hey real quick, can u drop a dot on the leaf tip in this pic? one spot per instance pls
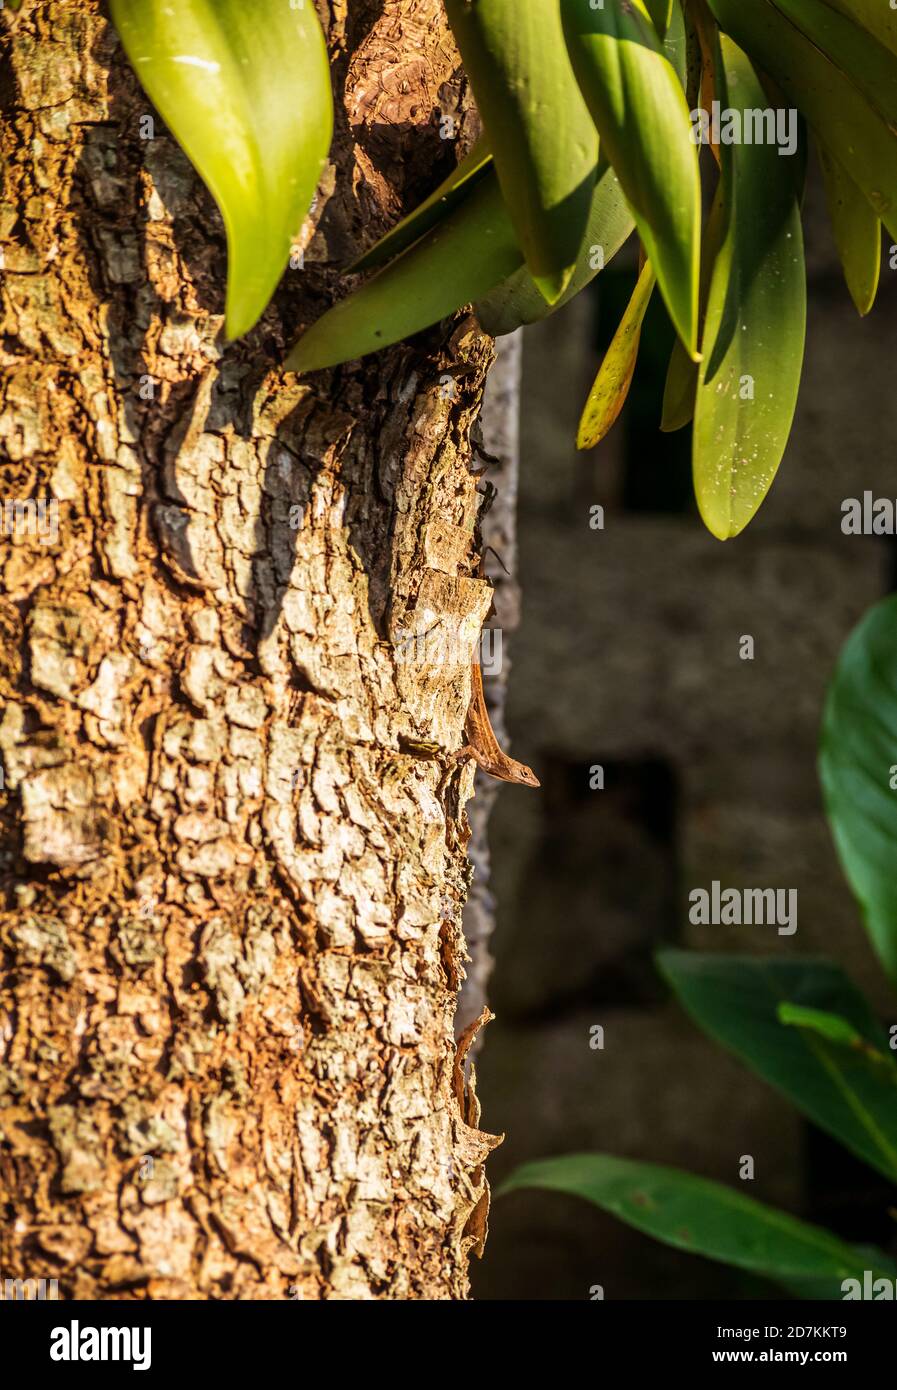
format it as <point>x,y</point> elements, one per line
<point>552,286</point>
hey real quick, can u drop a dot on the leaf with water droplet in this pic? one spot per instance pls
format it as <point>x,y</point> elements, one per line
<point>842,118</point>
<point>755,326</point>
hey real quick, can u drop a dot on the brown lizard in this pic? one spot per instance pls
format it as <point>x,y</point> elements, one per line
<point>482,745</point>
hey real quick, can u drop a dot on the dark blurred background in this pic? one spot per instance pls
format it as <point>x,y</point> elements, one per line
<point>627,658</point>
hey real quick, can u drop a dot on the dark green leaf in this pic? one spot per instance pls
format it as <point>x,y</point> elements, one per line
<point>857,232</point>
<point>878,18</point>
<point>735,999</point>
<point>841,117</point>
<point>706,1218</point>
<point>858,759</point>
<point>661,12</point>
<point>538,127</point>
<point>870,66</point>
<point>518,300</point>
<point>637,103</point>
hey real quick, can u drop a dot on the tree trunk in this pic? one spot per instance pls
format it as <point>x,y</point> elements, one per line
<point>232,873</point>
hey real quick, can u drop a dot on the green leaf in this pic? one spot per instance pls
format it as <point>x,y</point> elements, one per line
<point>857,759</point>
<point>675,41</point>
<point>459,260</point>
<point>245,90</point>
<point>639,107</point>
<point>611,386</point>
<point>878,18</point>
<point>870,66</point>
<point>661,12</point>
<point>544,143</point>
<point>707,1218</point>
<point>846,1091</point>
<point>681,385</point>
<point>857,232</point>
<point>679,390</point>
<point>452,191</point>
<point>838,112</point>
<point>518,300</point>
<point>755,325</point>
<point>831,1026</point>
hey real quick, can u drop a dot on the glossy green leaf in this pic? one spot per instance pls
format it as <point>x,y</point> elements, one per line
<point>459,260</point>
<point>857,232</point>
<point>611,386</point>
<point>661,12</point>
<point>675,42</point>
<point>452,191</point>
<point>519,300</point>
<point>639,107</point>
<point>679,390</point>
<point>708,1218</point>
<point>682,372</point>
<point>857,760</point>
<point>844,1090</point>
<point>753,341</point>
<point>681,383</point>
<point>838,112</point>
<point>876,16</point>
<point>869,65</point>
<point>245,90</point>
<point>544,143</point>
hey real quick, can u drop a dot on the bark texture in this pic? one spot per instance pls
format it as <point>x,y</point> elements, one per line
<point>232,881</point>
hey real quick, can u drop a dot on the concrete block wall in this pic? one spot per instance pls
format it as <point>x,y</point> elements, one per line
<point>628,658</point>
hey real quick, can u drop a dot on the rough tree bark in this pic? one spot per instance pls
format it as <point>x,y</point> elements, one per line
<point>232,880</point>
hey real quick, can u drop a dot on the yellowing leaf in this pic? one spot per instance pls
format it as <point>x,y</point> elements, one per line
<point>245,90</point>
<point>639,107</point>
<point>537,124</point>
<point>611,387</point>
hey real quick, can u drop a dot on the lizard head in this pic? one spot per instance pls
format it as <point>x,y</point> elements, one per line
<point>527,777</point>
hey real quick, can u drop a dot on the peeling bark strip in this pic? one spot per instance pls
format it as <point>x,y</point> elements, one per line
<point>231,946</point>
